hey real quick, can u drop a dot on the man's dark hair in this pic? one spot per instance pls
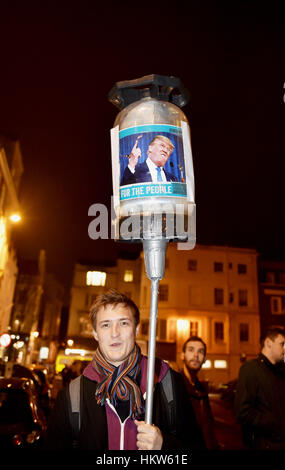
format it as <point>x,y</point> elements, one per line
<point>272,332</point>
<point>194,338</point>
<point>113,297</point>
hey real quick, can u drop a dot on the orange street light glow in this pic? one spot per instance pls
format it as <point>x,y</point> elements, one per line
<point>15,217</point>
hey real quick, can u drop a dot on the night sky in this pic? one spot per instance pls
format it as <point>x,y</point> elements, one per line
<point>58,64</point>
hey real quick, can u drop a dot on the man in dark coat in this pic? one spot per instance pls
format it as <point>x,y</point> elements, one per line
<point>113,392</point>
<point>152,169</point>
<point>260,396</point>
<point>194,355</point>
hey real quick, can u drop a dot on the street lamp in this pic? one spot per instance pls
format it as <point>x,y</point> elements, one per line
<point>15,217</point>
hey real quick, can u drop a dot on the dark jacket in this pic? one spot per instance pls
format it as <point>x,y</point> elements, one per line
<point>142,175</point>
<point>198,395</point>
<point>260,404</point>
<point>185,433</point>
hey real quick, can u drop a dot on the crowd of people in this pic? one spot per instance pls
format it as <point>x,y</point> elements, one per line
<point>102,405</point>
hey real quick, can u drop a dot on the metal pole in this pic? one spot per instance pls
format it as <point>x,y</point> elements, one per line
<point>151,350</point>
<point>154,256</point>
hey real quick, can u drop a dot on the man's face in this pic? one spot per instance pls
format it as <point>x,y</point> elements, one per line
<point>277,349</point>
<point>159,152</point>
<point>194,355</point>
<point>115,332</point>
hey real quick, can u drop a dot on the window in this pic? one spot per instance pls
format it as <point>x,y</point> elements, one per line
<point>282,278</point>
<point>219,331</point>
<point>243,332</point>
<point>220,364</point>
<point>144,327</point>
<point>218,267</point>
<point>242,268</point>
<point>219,296</point>
<point>270,277</point>
<point>231,297</point>
<point>194,328</point>
<point>192,265</point>
<point>95,278</point>
<point>230,265</point>
<point>128,275</point>
<point>183,326</point>
<point>163,293</point>
<point>207,364</point>
<point>276,304</point>
<point>242,298</point>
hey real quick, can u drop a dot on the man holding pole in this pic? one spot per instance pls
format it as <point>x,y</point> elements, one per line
<point>112,392</point>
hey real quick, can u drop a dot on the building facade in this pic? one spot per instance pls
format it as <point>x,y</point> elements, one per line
<point>25,314</point>
<point>271,293</point>
<point>89,281</point>
<point>211,292</point>
<point>11,169</point>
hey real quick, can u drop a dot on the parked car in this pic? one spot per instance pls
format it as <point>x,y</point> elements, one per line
<point>44,389</point>
<point>22,421</point>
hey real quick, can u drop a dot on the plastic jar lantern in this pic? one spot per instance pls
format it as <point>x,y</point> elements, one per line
<point>153,177</point>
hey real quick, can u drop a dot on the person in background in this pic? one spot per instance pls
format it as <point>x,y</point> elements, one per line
<point>194,355</point>
<point>260,395</point>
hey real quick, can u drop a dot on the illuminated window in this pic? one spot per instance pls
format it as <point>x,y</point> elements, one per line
<point>220,364</point>
<point>207,364</point>
<point>44,352</point>
<point>194,328</point>
<point>183,325</point>
<point>128,275</point>
<point>95,278</point>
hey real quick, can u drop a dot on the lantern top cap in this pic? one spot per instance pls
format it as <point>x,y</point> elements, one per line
<point>160,87</point>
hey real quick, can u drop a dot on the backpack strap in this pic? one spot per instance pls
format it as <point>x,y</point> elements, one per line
<point>167,385</point>
<point>74,389</point>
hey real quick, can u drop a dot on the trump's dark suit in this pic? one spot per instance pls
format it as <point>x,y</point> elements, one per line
<point>142,175</point>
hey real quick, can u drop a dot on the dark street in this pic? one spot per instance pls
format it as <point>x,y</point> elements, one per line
<point>227,429</point>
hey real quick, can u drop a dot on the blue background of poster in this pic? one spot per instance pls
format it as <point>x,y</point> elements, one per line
<point>176,159</point>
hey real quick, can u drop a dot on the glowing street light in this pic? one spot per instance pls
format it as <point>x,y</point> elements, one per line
<point>15,217</point>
